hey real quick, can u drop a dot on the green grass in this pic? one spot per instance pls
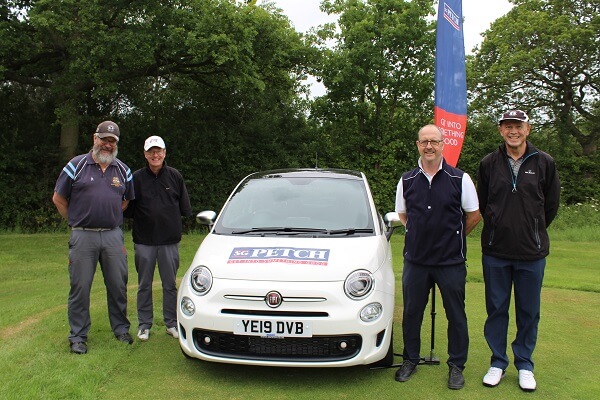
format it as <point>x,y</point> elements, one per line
<point>36,363</point>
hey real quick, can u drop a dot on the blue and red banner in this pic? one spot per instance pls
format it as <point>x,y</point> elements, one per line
<point>450,111</point>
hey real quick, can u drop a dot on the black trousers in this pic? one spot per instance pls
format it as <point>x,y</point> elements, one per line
<point>417,281</point>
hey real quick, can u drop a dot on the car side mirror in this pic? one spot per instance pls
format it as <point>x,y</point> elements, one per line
<point>392,221</point>
<point>206,217</point>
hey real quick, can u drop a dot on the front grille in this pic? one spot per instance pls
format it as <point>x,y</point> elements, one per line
<point>271,313</point>
<point>313,349</point>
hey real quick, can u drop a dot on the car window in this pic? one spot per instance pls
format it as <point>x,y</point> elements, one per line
<point>319,203</point>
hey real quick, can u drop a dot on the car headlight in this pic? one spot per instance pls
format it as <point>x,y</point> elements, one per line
<point>359,284</point>
<point>201,280</point>
<point>187,306</point>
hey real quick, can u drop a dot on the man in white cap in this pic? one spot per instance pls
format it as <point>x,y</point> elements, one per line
<point>519,190</point>
<point>161,200</point>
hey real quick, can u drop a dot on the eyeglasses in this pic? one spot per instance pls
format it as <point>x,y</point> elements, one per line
<point>424,143</point>
<point>155,152</point>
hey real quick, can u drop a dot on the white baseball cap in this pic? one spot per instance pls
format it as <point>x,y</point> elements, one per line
<point>154,141</point>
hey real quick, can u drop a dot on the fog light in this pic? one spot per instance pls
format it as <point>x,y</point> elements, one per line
<point>187,306</point>
<point>371,312</point>
<point>343,345</point>
<point>206,339</point>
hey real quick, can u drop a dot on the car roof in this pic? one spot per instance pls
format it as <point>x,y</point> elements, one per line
<point>307,173</point>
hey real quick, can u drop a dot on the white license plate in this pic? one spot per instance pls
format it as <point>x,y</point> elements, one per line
<point>272,328</point>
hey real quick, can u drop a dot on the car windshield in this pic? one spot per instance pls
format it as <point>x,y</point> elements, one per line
<point>298,206</point>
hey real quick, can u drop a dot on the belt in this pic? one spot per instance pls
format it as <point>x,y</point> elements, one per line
<point>80,228</point>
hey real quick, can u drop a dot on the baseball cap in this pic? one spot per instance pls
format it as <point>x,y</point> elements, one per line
<point>108,128</point>
<point>515,115</point>
<point>154,141</point>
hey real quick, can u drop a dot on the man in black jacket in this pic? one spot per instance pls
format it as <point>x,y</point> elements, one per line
<point>519,190</point>
<point>157,210</point>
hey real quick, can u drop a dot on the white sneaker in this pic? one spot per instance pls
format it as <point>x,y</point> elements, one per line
<point>173,332</point>
<point>493,377</point>
<point>143,334</point>
<point>526,380</point>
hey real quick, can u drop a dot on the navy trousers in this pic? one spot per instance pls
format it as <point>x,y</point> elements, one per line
<point>499,276</point>
<point>417,281</point>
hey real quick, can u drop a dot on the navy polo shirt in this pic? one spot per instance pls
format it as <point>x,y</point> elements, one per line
<point>95,197</point>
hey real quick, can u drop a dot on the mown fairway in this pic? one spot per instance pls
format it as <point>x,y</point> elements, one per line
<point>36,363</point>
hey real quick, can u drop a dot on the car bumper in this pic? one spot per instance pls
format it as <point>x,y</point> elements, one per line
<point>338,338</point>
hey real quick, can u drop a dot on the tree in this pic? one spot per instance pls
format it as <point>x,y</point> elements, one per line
<point>85,49</point>
<point>543,57</point>
<point>218,79</point>
<point>379,80</point>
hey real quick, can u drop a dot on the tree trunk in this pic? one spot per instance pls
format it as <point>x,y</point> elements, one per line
<point>69,130</point>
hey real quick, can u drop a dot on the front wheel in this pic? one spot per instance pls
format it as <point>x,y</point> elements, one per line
<point>185,354</point>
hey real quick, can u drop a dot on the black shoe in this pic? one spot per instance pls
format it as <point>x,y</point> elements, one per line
<point>78,348</point>
<point>405,371</point>
<point>456,379</point>
<point>125,338</point>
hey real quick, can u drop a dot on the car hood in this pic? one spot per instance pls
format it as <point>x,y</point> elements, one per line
<point>290,259</point>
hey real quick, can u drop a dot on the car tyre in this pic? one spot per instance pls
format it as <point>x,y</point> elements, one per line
<point>185,354</point>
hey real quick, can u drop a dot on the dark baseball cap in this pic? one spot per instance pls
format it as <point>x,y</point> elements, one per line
<point>108,128</point>
<point>514,115</point>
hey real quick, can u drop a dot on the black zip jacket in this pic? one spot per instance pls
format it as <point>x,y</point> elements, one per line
<point>517,210</point>
<point>158,206</point>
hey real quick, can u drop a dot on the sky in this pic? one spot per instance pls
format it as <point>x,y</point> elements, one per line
<point>477,14</point>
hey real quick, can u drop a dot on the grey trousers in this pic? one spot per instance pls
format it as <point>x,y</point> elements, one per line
<point>86,249</point>
<point>146,258</point>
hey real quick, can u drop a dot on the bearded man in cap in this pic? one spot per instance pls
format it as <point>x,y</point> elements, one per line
<point>519,191</point>
<point>161,200</point>
<point>91,193</point>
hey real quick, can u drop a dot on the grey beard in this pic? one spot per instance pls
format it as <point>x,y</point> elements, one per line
<point>104,159</point>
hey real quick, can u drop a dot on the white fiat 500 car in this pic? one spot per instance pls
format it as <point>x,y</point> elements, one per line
<point>295,271</point>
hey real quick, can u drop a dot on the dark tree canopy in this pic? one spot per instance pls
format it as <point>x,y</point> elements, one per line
<point>543,57</point>
<point>379,77</point>
<point>218,79</point>
<point>82,50</point>
<point>221,82</point>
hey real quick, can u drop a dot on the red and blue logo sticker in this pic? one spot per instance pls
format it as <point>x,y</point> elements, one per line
<point>288,255</point>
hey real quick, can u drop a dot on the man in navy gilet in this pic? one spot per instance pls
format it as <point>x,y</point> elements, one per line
<point>438,205</point>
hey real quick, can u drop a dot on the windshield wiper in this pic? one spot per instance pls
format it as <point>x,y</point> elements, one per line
<point>280,230</point>
<point>285,230</point>
<point>350,231</point>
